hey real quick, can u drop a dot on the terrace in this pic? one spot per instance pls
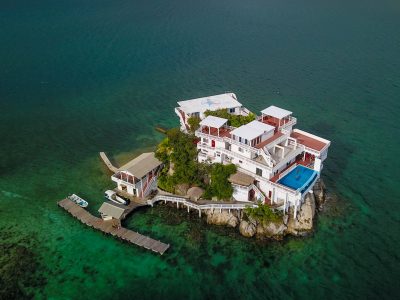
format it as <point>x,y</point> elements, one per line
<point>309,140</point>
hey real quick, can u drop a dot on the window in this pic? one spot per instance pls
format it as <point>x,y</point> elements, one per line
<point>232,110</point>
<point>240,162</point>
<point>205,140</point>
<point>240,149</point>
<point>258,172</point>
<point>240,139</point>
<point>246,141</point>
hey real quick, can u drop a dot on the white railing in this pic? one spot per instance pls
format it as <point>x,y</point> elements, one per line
<point>190,204</point>
<point>231,153</point>
<point>291,122</point>
<point>122,181</point>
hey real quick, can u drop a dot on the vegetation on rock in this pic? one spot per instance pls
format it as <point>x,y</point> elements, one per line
<point>233,120</point>
<point>180,149</point>
<point>219,186</point>
<point>262,214</point>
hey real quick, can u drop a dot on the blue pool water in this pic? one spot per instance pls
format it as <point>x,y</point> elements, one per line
<point>298,178</point>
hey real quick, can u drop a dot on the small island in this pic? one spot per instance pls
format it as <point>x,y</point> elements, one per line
<point>254,173</point>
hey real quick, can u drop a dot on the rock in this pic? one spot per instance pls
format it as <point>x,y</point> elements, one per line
<point>319,192</point>
<point>247,228</point>
<point>285,219</point>
<point>222,218</point>
<point>181,189</point>
<point>195,193</point>
<point>305,217</point>
<point>272,229</point>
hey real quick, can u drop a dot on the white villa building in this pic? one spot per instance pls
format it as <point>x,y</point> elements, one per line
<point>276,164</point>
<point>138,178</point>
<point>197,107</point>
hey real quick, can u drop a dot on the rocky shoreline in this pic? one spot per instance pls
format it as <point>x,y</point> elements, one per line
<point>287,225</point>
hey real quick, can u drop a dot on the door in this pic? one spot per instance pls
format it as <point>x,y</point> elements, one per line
<point>213,143</point>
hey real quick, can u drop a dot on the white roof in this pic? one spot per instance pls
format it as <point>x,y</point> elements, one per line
<point>111,209</point>
<point>213,103</point>
<point>276,112</point>
<point>214,122</point>
<point>252,130</point>
<point>141,165</point>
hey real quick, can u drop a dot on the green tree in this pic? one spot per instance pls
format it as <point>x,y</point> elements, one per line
<point>194,123</point>
<point>233,120</point>
<point>219,186</point>
<point>180,149</point>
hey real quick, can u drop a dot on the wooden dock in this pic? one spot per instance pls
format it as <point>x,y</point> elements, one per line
<point>108,163</point>
<point>110,227</point>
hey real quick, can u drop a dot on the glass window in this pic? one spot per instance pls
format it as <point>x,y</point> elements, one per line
<point>258,172</point>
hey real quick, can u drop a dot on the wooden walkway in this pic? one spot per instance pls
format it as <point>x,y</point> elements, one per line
<point>109,227</point>
<point>109,165</point>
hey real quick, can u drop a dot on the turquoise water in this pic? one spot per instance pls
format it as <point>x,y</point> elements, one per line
<point>79,77</point>
<point>298,177</point>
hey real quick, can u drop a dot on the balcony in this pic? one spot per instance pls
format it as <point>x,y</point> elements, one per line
<point>126,179</point>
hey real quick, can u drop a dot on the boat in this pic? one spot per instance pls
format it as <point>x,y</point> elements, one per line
<point>78,200</point>
<point>112,196</point>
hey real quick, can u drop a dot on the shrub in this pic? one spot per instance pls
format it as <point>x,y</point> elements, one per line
<point>263,214</point>
<point>180,149</point>
<point>220,187</point>
<point>233,120</point>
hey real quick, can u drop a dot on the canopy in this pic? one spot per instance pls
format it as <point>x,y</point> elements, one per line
<point>276,112</point>
<point>252,130</point>
<point>141,165</point>
<point>214,122</point>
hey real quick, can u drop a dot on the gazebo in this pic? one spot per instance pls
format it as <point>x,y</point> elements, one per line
<point>275,116</point>
<point>214,126</point>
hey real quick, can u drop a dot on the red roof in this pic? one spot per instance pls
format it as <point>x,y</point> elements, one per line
<point>308,141</point>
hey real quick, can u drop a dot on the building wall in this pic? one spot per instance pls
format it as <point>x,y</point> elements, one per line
<point>240,193</point>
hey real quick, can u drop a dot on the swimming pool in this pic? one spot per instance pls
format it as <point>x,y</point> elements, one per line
<point>299,178</point>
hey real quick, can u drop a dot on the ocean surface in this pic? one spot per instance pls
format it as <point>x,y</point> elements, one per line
<point>79,77</point>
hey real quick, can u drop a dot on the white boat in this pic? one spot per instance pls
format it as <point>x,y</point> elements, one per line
<point>112,196</point>
<point>78,200</point>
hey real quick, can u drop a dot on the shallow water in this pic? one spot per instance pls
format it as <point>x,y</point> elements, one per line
<point>79,77</point>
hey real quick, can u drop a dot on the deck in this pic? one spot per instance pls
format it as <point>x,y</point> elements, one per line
<point>108,163</point>
<point>110,227</point>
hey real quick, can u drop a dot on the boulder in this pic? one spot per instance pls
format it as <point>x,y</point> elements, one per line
<point>181,189</point>
<point>222,218</point>
<point>247,228</point>
<point>195,193</point>
<point>272,229</point>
